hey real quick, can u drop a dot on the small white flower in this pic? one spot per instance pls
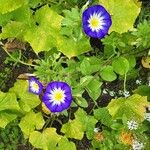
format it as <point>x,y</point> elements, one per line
<point>120,92</point>
<point>126,93</point>
<point>148,108</point>
<point>96,130</point>
<point>111,93</point>
<point>104,91</point>
<point>132,125</point>
<point>138,82</point>
<point>149,83</point>
<point>137,145</point>
<point>147,116</point>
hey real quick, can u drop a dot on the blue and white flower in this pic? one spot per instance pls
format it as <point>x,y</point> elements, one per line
<point>57,96</point>
<point>96,21</point>
<point>35,86</point>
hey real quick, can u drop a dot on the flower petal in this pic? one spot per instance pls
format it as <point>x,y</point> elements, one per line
<point>96,21</point>
<point>57,96</point>
<point>35,86</point>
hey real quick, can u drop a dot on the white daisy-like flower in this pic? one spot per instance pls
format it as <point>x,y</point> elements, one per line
<point>126,93</point>
<point>137,145</point>
<point>147,116</point>
<point>132,125</point>
<point>112,93</point>
<point>96,130</point>
<point>104,91</point>
<point>138,82</point>
<point>120,92</point>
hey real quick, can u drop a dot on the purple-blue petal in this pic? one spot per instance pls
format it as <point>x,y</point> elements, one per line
<point>98,9</point>
<point>67,100</point>
<point>39,85</point>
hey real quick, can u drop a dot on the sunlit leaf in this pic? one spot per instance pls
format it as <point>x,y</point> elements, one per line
<point>123,12</point>
<point>47,140</point>
<point>27,100</point>
<point>133,107</point>
<point>9,108</point>
<point>120,65</point>
<point>10,5</point>
<point>65,144</point>
<point>30,122</point>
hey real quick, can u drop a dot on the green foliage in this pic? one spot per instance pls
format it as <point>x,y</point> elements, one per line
<point>120,65</point>
<point>81,123</point>
<point>9,108</point>
<point>27,101</point>
<point>131,108</point>
<point>55,27</point>
<point>103,115</point>
<point>108,74</point>
<point>30,122</point>
<point>46,140</point>
<point>11,137</point>
<point>11,5</point>
<point>143,34</point>
<point>123,13</point>
<point>64,143</point>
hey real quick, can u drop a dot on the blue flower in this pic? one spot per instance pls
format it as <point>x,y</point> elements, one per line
<point>96,21</point>
<point>57,96</point>
<point>35,86</point>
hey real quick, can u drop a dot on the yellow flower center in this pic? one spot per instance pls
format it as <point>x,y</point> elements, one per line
<point>58,96</point>
<point>35,86</point>
<point>94,22</point>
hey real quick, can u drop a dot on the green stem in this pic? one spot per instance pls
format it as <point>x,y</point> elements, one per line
<point>18,60</point>
<point>50,121</point>
<point>124,83</point>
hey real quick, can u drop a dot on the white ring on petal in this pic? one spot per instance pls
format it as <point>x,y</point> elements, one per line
<point>97,19</point>
<point>34,86</point>
<point>53,94</point>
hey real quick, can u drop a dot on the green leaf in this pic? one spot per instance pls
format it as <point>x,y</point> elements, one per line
<point>108,74</point>
<point>120,65</point>
<point>73,129</point>
<point>22,15</point>
<point>132,108</point>
<point>47,140</point>
<point>10,5</point>
<point>9,108</point>
<point>6,117</point>
<point>132,61</point>
<point>64,144</point>
<point>30,122</point>
<point>27,100</point>
<point>13,29</point>
<point>84,81</point>
<point>143,90</point>
<point>87,121</point>
<point>102,114</point>
<point>82,122</point>
<point>8,101</point>
<point>34,3</point>
<point>123,13</point>
<point>81,102</point>
<point>71,46</point>
<point>47,30</point>
<point>93,89</point>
